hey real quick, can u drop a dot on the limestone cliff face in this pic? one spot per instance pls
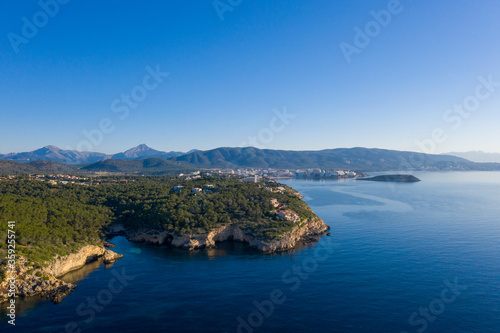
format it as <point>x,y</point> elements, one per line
<point>110,256</point>
<point>47,282</point>
<point>311,227</point>
<point>64,264</point>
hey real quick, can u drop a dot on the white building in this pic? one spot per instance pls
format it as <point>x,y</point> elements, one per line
<point>289,215</point>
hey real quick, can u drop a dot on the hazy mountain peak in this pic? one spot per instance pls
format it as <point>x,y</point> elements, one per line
<point>141,147</point>
<point>138,152</point>
<point>51,147</point>
<point>141,151</point>
<point>478,156</point>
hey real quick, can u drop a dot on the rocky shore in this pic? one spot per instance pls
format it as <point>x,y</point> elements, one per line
<point>45,281</point>
<point>310,229</point>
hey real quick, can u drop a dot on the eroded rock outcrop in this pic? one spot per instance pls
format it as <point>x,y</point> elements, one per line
<point>44,281</point>
<point>309,228</point>
<point>110,257</point>
<point>64,264</point>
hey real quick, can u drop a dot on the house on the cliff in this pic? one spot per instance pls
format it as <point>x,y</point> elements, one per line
<point>288,215</point>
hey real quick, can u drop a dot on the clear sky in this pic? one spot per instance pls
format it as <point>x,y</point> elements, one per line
<point>416,79</point>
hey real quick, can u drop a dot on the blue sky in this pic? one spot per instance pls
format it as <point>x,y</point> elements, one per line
<point>228,78</point>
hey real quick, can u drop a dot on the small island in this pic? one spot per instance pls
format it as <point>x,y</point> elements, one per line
<point>393,178</point>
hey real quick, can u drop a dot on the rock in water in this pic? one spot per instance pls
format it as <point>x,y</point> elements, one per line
<point>110,256</point>
<point>393,178</point>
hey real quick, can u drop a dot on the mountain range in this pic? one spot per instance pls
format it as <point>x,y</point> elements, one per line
<point>364,159</point>
<point>145,160</point>
<point>74,157</point>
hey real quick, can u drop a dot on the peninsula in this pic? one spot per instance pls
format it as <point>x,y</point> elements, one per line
<point>60,227</point>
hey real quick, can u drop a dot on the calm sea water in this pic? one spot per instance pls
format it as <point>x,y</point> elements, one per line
<point>420,257</point>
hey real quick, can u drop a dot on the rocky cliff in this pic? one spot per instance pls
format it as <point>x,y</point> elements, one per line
<point>310,227</point>
<point>64,264</point>
<point>44,281</point>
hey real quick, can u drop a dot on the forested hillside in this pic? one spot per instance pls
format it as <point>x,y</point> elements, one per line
<point>59,219</point>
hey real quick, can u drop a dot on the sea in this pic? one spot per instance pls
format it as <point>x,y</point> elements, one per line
<point>402,257</point>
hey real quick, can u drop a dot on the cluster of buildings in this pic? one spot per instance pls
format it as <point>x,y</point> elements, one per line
<point>320,173</point>
<point>190,176</point>
<point>289,215</point>
<point>60,179</point>
<point>251,173</point>
<point>208,188</point>
<point>283,212</point>
<point>69,179</point>
<point>279,189</point>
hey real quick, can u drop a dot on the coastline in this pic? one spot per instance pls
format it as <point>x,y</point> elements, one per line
<point>311,228</point>
<point>46,281</point>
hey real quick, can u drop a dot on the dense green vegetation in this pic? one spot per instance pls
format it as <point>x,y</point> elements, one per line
<point>59,219</point>
<point>40,167</point>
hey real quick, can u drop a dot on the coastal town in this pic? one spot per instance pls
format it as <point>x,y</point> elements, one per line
<point>315,173</point>
<point>248,174</point>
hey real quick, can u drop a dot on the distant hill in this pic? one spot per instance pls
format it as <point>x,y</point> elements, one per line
<point>55,154</point>
<point>53,167</point>
<point>38,167</point>
<point>14,168</point>
<point>478,156</point>
<point>363,159</point>
<point>149,166</point>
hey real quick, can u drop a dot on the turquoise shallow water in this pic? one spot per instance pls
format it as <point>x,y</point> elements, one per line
<point>420,257</point>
